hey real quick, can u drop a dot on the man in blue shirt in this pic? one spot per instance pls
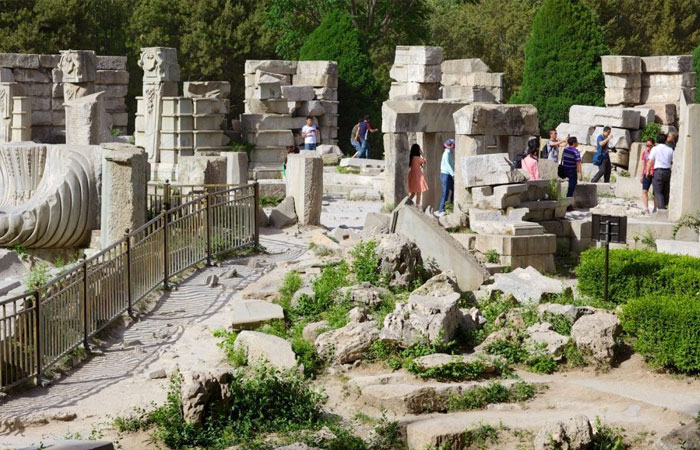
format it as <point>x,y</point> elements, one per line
<point>363,132</point>
<point>603,155</point>
<point>447,175</point>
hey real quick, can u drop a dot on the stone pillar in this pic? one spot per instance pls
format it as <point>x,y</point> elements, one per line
<point>160,76</point>
<point>7,91</point>
<point>396,151</point>
<point>305,185</point>
<point>685,189</point>
<point>21,119</point>
<point>78,72</point>
<point>125,172</point>
<point>86,120</point>
<point>465,145</point>
<point>237,168</point>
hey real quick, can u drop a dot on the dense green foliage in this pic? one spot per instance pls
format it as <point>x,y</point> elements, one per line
<point>651,130</point>
<point>665,329</point>
<point>336,39</point>
<point>493,30</point>
<point>562,61</point>
<point>634,273</point>
<point>696,69</point>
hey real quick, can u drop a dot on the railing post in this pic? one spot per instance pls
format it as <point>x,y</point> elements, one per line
<point>207,216</point>
<point>166,195</point>
<point>37,335</point>
<point>256,226</point>
<point>165,250</point>
<point>129,307</point>
<point>85,304</point>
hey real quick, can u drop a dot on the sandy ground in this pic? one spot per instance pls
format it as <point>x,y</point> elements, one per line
<point>176,332</point>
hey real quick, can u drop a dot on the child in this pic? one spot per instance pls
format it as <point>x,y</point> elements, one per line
<point>416,180</point>
<point>530,163</point>
<point>447,175</point>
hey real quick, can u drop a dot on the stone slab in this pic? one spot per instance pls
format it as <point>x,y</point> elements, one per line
<point>250,313</point>
<point>618,64</point>
<point>451,66</point>
<point>597,115</point>
<point>678,247</point>
<point>527,286</point>
<point>417,54</point>
<point>437,244</point>
<point>497,120</point>
<point>486,170</point>
<point>584,133</point>
<point>667,64</point>
<point>263,348</point>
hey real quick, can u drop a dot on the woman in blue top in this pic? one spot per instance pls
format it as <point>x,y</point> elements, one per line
<point>571,161</point>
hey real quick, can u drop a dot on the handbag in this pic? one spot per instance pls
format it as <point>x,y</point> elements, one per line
<point>598,158</point>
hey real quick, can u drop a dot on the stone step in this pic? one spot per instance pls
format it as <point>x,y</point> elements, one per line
<point>404,394</point>
<point>252,313</point>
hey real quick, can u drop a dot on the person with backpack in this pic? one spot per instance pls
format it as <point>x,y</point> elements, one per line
<point>602,156</point>
<point>571,165</point>
<point>363,131</point>
<point>354,138</point>
<point>530,162</point>
<point>551,148</point>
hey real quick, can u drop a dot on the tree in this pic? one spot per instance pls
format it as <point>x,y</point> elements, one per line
<point>493,30</point>
<point>562,61</point>
<point>648,27</point>
<point>696,69</point>
<point>337,39</point>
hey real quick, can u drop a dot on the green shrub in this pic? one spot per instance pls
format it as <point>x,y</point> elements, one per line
<point>458,370</point>
<point>291,283</point>
<point>542,364</point>
<point>265,401</point>
<point>608,438</point>
<point>235,357</point>
<point>327,284</point>
<point>634,273</point>
<point>665,329</point>
<point>494,392</point>
<point>562,61</point>
<point>492,256</point>
<point>513,352</point>
<point>365,262</point>
<point>650,131</point>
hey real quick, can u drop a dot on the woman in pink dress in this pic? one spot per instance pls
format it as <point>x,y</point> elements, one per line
<point>530,163</point>
<point>416,180</point>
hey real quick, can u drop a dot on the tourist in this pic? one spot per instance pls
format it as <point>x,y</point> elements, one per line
<point>553,144</point>
<point>310,134</point>
<point>661,159</point>
<point>363,136</point>
<point>355,138</point>
<point>290,149</point>
<point>416,180</point>
<point>571,163</point>
<point>602,156</point>
<point>647,176</point>
<point>530,162</point>
<point>671,140</point>
<point>447,175</point>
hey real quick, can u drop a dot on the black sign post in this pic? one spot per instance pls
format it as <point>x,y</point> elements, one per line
<point>609,229</point>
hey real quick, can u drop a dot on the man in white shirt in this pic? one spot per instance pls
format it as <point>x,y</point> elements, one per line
<point>310,134</point>
<point>661,159</point>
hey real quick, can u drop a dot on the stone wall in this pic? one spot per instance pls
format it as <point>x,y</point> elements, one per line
<point>278,97</point>
<point>38,79</point>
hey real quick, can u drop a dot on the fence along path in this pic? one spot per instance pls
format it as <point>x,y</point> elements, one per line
<point>40,327</point>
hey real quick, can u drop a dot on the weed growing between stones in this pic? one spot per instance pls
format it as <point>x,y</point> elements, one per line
<point>492,257</point>
<point>235,357</point>
<point>495,392</point>
<point>365,262</point>
<point>607,438</point>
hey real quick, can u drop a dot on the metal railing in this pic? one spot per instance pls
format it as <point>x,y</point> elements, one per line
<point>40,327</point>
<point>168,195</point>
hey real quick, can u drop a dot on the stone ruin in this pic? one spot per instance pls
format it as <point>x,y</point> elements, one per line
<point>171,126</point>
<point>279,95</point>
<point>420,111</point>
<point>35,88</point>
<point>638,91</point>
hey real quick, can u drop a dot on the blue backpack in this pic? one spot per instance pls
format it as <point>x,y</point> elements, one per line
<point>598,158</point>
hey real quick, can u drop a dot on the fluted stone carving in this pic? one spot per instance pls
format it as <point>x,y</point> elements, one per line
<point>49,194</point>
